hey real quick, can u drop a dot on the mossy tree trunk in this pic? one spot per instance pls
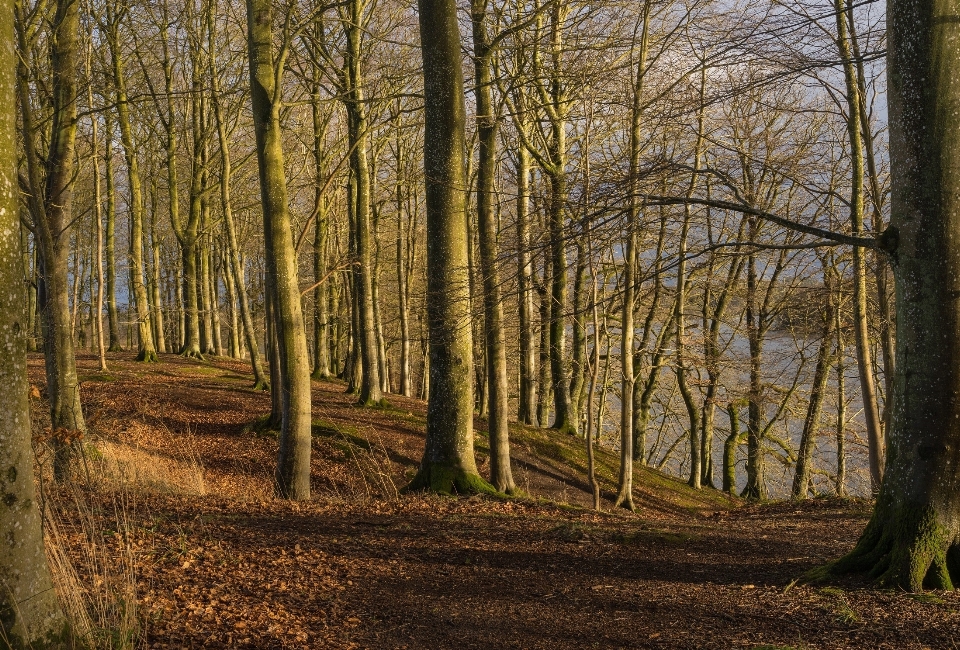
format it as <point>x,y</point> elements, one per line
<point>30,615</point>
<point>448,464</point>
<point>293,463</point>
<point>913,538</point>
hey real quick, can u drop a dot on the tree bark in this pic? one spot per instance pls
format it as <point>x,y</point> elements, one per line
<point>30,615</point>
<point>448,464</point>
<point>501,476</point>
<point>293,463</point>
<point>51,208</point>
<point>912,539</point>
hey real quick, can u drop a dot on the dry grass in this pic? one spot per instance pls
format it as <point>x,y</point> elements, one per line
<point>88,532</point>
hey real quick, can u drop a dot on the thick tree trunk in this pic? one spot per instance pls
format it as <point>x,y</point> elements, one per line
<point>448,464</point>
<point>30,616</point>
<point>293,463</point>
<point>912,540</point>
<point>51,207</point>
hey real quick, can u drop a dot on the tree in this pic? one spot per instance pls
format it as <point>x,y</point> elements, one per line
<point>448,464</point>
<point>50,177</point>
<point>501,475</point>
<point>293,463</point>
<point>912,539</point>
<point>30,615</point>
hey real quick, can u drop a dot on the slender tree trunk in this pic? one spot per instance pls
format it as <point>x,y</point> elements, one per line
<point>226,171</point>
<point>501,476</point>
<point>730,446</point>
<point>370,388</point>
<point>864,346</point>
<point>113,318</point>
<point>808,437</point>
<point>147,352</point>
<point>528,350</point>
<point>97,307</point>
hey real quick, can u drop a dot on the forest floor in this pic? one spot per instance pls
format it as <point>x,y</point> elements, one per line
<point>178,507</point>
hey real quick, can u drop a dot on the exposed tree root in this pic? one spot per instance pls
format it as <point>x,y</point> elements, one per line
<point>191,353</point>
<point>261,385</point>
<point>450,481</point>
<point>904,548</point>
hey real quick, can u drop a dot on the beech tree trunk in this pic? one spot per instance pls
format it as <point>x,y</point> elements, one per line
<point>913,538</point>
<point>501,475</point>
<point>51,208</point>
<point>448,464</point>
<point>293,463</point>
<point>30,615</point>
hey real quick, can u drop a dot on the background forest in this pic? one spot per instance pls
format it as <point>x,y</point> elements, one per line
<point>636,149</point>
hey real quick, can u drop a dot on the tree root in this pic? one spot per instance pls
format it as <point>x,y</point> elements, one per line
<point>191,353</point>
<point>908,548</point>
<point>148,357</point>
<point>449,481</point>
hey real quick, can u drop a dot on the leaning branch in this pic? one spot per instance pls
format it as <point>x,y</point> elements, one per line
<point>840,238</point>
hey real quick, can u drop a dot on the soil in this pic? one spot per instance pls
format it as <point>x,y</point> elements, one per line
<point>181,483</point>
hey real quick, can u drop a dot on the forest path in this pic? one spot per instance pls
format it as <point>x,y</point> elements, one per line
<point>221,563</point>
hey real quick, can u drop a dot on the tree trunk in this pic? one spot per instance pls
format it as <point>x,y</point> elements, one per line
<point>147,352</point>
<point>448,464</point>
<point>912,540</point>
<point>293,463</point>
<point>528,359</point>
<point>110,238</point>
<point>226,170</point>
<point>370,389</point>
<point>501,476</point>
<point>51,207</point>
<point>808,437</point>
<point>30,616</point>
<point>868,388</point>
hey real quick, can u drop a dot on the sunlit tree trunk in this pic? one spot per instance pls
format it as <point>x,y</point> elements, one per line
<point>293,463</point>
<point>30,615</point>
<point>50,204</point>
<point>912,539</point>
<point>448,464</point>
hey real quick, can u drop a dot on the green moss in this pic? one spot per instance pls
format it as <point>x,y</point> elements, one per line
<point>904,547</point>
<point>263,426</point>
<point>148,357</point>
<point>448,480</point>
